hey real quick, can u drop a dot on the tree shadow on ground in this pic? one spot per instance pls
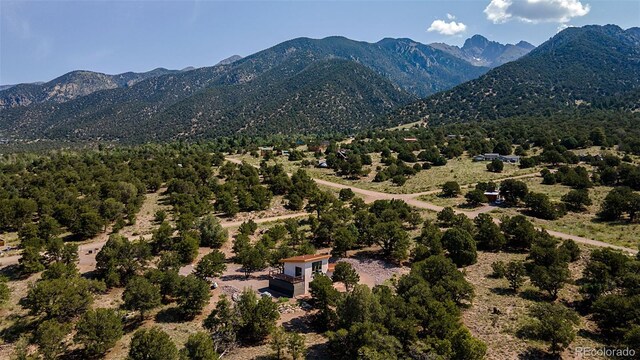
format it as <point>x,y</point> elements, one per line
<point>591,335</point>
<point>131,324</point>
<point>235,277</point>
<point>21,325</point>
<point>502,291</point>
<point>537,354</point>
<point>468,206</point>
<point>301,324</point>
<point>13,273</point>
<point>73,238</point>
<point>76,354</point>
<point>91,275</point>
<point>582,306</point>
<point>318,352</point>
<point>170,315</point>
<point>534,295</point>
<point>265,357</point>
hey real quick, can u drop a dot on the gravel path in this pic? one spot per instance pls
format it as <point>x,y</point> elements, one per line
<point>374,272</point>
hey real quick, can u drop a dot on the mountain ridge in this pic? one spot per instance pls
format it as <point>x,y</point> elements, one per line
<point>408,66</point>
<point>229,60</point>
<point>480,51</point>
<point>577,68</point>
<point>72,85</point>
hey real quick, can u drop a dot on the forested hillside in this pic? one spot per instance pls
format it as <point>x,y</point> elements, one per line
<point>579,68</point>
<point>132,113</point>
<point>333,95</point>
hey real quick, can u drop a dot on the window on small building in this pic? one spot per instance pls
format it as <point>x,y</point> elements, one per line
<point>316,267</point>
<point>298,271</point>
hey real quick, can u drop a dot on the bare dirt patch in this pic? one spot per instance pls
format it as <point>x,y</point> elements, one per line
<point>374,271</point>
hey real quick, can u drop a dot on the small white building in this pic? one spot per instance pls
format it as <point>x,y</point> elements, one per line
<point>297,272</point>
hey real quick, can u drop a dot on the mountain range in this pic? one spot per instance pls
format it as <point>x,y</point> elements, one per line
<point>336,84</point>
<point>579,68</point>
<point>480,51</point>
<point>229,60</point>
<point>397,71</point>
<point>71,86</point>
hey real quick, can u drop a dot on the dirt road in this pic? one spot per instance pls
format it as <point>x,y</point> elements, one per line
<point>368,195</point>
<point>411,199</point>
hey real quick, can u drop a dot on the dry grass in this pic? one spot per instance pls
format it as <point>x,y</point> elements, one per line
<point>584,224</point>
<point>463,170</point>
<point>409,125</point>
<point>498,331</point>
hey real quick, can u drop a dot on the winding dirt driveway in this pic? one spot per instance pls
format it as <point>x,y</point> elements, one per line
<point>411,199</point>
<point>368,195</point>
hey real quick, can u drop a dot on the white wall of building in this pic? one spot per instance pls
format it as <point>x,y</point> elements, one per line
<point>307,270</point>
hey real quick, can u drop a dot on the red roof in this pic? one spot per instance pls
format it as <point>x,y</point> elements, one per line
<point>306,258</point>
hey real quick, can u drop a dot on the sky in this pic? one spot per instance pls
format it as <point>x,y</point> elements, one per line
<point>41,40</point>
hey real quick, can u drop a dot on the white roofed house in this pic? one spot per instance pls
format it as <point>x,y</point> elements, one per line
<point>491,156</point>
<point>297,272</point>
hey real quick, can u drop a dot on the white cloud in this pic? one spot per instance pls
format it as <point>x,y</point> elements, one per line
<point>564,26</point>
<point>535,11</point>
<point>450,17</point>
<point>447,28</point>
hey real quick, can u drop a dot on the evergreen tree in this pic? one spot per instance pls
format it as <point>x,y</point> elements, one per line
<point>296,346</point>
<point>278,342</point>
<point>515,272</point>
<point>50,337</point>
<point>193,294</point>
<point>152,344</point>
<point>554,323</point>
<point>223,323</point>
<point>257,316</point>
<point>346,274</point>
<point>99,330</point>
<point>141,295</point>
<point>211,265</point>
<point>199,346</point>
<point>211,232</point>
<point>460,246</point>
<point>488,235</point>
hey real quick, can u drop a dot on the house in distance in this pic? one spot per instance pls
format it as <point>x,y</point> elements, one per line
<point>512,159</point>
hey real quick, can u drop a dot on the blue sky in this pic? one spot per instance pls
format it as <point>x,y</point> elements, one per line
<point>40,40</point>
